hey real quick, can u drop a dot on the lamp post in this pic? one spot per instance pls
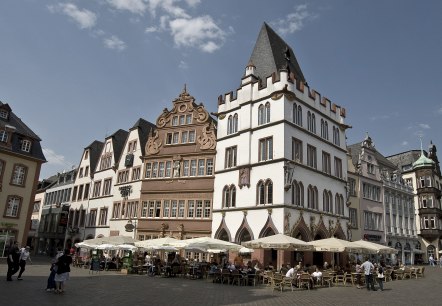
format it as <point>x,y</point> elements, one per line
<point>63,210</point>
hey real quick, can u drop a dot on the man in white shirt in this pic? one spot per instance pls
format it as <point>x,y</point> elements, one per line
<point>291,273</point>
<point>24,256</point>
<point>368,268</point>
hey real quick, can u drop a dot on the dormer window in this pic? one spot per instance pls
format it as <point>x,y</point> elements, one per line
<point>26,146</point>
<point>3,136</point>
<point>4,114</point>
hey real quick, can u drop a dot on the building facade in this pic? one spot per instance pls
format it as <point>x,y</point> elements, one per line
<point>177,187</point>
<point>21,157</point>
<point>422,171</point>
<point>281,156</point>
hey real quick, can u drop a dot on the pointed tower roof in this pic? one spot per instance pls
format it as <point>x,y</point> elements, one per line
<point>272,53</point>
<point>423,161</point>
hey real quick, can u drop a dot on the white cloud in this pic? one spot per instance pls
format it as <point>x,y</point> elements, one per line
<point>193,3</point>
<point>114,42</point>
<point>440,110</point>
<point>85,19</point>
<point>183,65</point>
<point>294,21</point>
<point>133,6</point>
<point>54,158</point>
<point>404,143</point>
<point>424,126</point>
<point>200,32</point>
<point>151,30</point>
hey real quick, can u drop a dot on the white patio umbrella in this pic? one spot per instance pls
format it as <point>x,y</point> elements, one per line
<point>205,243</point>
<point>245,250</point>
<point>375,247</point>
<point>126,247</point>
<point>106,246</point>
<point>279,242</point>
<point>85,245</point>
<point>115,240</point>
<point>166,241</point>
<point>337,245</point>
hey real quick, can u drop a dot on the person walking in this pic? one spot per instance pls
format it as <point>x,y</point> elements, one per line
<point>63,269</point>
<point>380,276</point>
<point>24,256</point>
<point>431,260</point>
<point>13,261</point>
<point>368,268</point>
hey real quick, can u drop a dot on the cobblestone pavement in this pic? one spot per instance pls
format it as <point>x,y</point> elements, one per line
<point>113,288</point>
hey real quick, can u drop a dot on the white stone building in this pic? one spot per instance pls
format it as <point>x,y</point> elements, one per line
<point>281,156</point>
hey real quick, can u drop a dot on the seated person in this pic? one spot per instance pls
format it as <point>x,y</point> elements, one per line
<point>231,267</point>
<point>284,269</point>
<point>269,267</point>
<point>326,265</point>
<point>317,276</point>
<point>291,273</point>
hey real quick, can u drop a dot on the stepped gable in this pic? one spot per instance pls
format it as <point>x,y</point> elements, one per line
<point>271,54</point>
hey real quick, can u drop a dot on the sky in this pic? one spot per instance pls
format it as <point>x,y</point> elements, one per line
<point>77,71</point>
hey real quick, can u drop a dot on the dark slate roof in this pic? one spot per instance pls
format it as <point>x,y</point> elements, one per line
<point>22,130</point>
<point>144,128</point>
<point>272,53</point>
<point>405,158</point>
<point>356,149</point>
<point>118,141</point>
<point>95,149</point>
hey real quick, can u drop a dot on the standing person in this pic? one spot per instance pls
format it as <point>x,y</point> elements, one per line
<point>380,276</point>
<point>358,269</point>
<point>24,256</point>
<point>368,268</point>
<point>63,269</point>
<point>13,260</point>
<point>431,260</point>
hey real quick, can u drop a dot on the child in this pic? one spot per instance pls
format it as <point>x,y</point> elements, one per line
<point>51,279</point>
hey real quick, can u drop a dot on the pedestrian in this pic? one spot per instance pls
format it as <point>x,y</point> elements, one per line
<point>63,269</point>
<point>358,269</point>
<point>368,268</point>
<point>51,279</point>
<point>24,256</point>
<point>13,260</point>
<point>380,276</point>
<point>431,260</point>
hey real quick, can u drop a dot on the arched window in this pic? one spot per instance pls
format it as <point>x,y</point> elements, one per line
<point>325,201</point>
<point>311,197</point>
<point>265,192</point>
<point>261,114</point>
<point>324,129</point>
<point>339,204</point>
<point>313,130</point>
<point>267,113</point>
<point>230,125</point>
<point>232,196</point>
<point>235,123</point>
<point>297,193</point>
<point>226,196</point>
<point>336,137</point>
<point>311,122</point>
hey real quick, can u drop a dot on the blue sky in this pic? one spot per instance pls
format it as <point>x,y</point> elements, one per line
<point>79,70</point>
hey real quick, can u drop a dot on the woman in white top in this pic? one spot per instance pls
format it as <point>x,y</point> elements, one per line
<point>24,256</point>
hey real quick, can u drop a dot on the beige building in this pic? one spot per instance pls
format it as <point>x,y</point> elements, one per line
<point>21,158</point>
<point>177,188</point>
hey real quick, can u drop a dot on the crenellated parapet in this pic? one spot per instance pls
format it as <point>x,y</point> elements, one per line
<point>252,89</point>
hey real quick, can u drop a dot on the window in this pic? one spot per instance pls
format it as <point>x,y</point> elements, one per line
<point>297,150</point>
<point>144,209</point>
<point>86,155</point>
<point>207,209</point>
<point>265,192</point>
<point>182,117</point>
<point>132,146</point>
<point>176,137</point>
<point>370,168</point>
<point>201,167</point>
<point>154,169</point>
<point>166,209</point>
<point>175,121</point>
<point>230,158</point>
<point>327,201</point>
<point>311,156</point>
<point>339,202</point>
<point>264,113</point>
<point>425,181</point>
<point>3,136</point>
<point>199,209</point>
<point>26,145</point>
<point>181,208</point>
<point>353,217</point>
<point>324,129</point>
<point>184,136</point>
<point>136,173</point>
<point>168,169</point>
<point>169,138</point>
<point>232,124</point>
<point>157,209</point>
<point>4,114</point>
<point>372,192</point>
<point>2,167</point>
<point>86,171</point>
<point>148,170</point>
<point>188,119</point>
<point>266,149</point>
<point>229,196</point>
<point>193,167</point>
<point>297,193</point>
<point>80,173</point>
<point>92,217</point>
<point>191,136</point>
<point>151,209</point>
<point>19,175</point>
<point>123,176</point>
<point>107,186</point>
<point>336,137</point>
<point>338,167</point>
<point>103,217</point>
<point>297,114</point>
<point>311,122</point>
<point>352,186</point>
<point>13,207</point>
<point>312,197</point>
<point>186,164</point>
<point>80,193</point>
<point>373,221</point>
<point>326,167</point>
<point>190,208</point>
<point>97,189</point>
<point>174,210</point>
<point>161,169</point>
<point>209,168</point>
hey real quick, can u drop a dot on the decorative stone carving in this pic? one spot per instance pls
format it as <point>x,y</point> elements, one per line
<point>153,146</point>
<point>287,223</point>
<point>244,177</point>
<point>207,140</point>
